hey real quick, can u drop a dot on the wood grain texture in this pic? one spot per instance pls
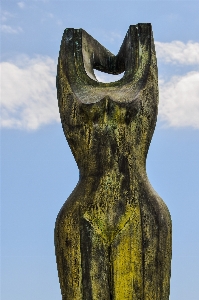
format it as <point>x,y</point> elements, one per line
<point>113,233</point>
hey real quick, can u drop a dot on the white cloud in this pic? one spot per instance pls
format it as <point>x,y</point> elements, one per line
<point>28,93</point>
<point>104,77</point>
<point>5,15</point>
<point>179,101</point>
<point>21,4</point>
<point>5,28</point>
<point>9,29</point>
<point>178,52</point>
<point>179,97</point>
<point>52,17</point>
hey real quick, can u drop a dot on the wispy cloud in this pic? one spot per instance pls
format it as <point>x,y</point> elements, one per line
<point>21,4</point>
<point>52,17</point>
<point>178,52</point>
<point>10,29</point>
<point>5,15</point>
<point>28,93</point>
<point>7,28</point>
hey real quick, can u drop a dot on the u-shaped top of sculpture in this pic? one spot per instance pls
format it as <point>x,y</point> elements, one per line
<point>113,234</point>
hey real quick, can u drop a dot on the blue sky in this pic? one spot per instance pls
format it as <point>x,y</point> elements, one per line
<point>38,169</point>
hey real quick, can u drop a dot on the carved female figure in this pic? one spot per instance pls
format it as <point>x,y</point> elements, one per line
<point>113,234</point>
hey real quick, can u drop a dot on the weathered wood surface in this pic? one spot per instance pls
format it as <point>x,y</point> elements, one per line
<point>113,234</point>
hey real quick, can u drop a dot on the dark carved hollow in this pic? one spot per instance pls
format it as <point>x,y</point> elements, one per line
<point>113,234</point>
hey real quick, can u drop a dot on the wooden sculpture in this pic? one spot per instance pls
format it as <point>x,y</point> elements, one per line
<point>113,233</point>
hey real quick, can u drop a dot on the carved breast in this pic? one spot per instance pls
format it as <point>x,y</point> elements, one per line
<point>102,120</point>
